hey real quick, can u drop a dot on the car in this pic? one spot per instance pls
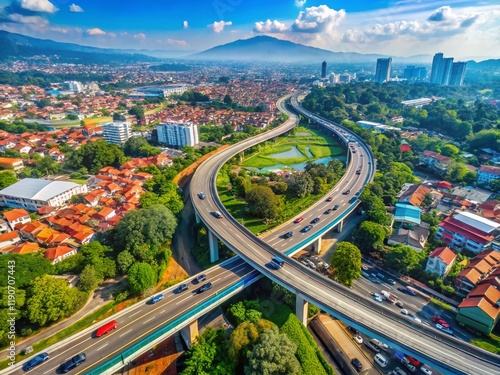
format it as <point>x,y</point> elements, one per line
<point>374,280</point>
<point>288,234</point>
<point>156,298</point>
<point>357,364</point>
<point>346,192</point>
<point>398,371</point>
<point>437,319</point>
<point>201,278</point>
<point>381,360</point>
<point>377,297</point>
<point>327,211</point>
<point>218,215</point>
<point>73,362</point>
<point>408,365</point>
<point>380,344</point>
<point>276,263</point>
<point>306,229</point>
<point>364,267</point>
<point>298,220</point>
<point>204,288</point>
<point>336,207</point>
<point>201,195</point>
<point>358,171</point>
<point>181,288</point>
<point>358,339</point>
<point>426,371</point>
<point>413,361</point>
<point>415,318</point>
<point>315,220</point>
<point>353,330</point>
<point>404,311</point>
<point>35,361</point>
<point>444,329</point>
<point>329,199</point>
<point>399,304</point>
<point>391,282</point>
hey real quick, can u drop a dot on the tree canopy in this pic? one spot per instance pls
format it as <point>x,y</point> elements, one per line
<point>141,277</point>
<point>346,263</point>
<point>402,258</point>
<point>263,203</point>
<point>7,178</point>
<point>96,155</point>
<point>369,235</point>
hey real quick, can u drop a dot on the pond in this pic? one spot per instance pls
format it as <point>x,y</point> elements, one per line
<point>290,154</point>
<point>299,166</point>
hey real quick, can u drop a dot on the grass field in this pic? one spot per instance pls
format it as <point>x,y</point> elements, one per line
<point>491,343</point>
<point>96,120</point>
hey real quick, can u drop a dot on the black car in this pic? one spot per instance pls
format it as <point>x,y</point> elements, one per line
<point>306,229</point>
<point>336,207</point>
<point>327,211</point>
<point>201,195</point>
<point>353,330</point>
<point>35,361</point>
<point>204,288</point>
<point>357,364</point>
<point>201,278</point>
<point>73,362</point>
<point>346,192</point>
<point>181,288</point>
<point>288,234</point>
<point>315,220</point>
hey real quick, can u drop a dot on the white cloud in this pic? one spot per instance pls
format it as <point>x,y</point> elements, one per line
<point>318,19</point>
<point>300,3</point>
<point>140,36</point>
<point>43,6</point>
<point>177,42</point>
<point>66,30</point>
<point>185,25</point>
<point>269,26</point>
<point>29,20</point>
<point>75,8</point>
<point>218,26</point>
<point>96,31</point>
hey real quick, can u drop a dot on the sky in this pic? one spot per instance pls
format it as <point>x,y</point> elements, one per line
<point>458,28</point>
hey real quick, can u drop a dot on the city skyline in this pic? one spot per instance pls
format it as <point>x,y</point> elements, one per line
<point>399,28</point>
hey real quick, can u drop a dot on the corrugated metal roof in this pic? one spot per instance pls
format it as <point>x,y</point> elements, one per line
<point>476,221</point>
<point>36,189</point>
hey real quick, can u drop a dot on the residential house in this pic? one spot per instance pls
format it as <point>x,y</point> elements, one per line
<point>26,248</point>
<point>11,163</point>
<point>480,268</point>
<point>4,226</point>
<point>51,237</point>
<point>29,231</point>
<point>16,216</point>
<point>434,160</point>
<point>105,214</point>
<point>9,239</point>
<point>58,253</point>
<point>416,238</point>
<point>440,261</point>
<point>481,309</point>
<point>487,173</point>
<point>414,194</point>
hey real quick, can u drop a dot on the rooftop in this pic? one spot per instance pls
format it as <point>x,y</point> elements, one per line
<point>476,221</point>
<point>36,189</point>
<point>407,213</point>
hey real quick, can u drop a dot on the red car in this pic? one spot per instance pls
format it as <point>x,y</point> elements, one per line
<point>298,220</point>
<point>439,320</point>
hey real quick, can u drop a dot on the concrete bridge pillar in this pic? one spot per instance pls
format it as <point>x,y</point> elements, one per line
<point>197,217</point>
<point>301,306</point>
<point>340,226</point>
<point>190,333</point>
<point>214,246</point>
<point>317,246</point>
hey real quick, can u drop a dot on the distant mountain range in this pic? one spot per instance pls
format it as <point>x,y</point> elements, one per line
<point>256,49</point>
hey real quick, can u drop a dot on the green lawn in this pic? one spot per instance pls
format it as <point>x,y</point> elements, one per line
<point>80,181</point>
<point>491,343</point>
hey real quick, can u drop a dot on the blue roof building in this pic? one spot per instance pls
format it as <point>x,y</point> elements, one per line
<point>406,213</point>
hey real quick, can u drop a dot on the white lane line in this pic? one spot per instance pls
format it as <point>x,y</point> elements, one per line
<point>102,347</point>
<point>182,300</point>
<point>123,334</point>
<point>134,314</point>
<point>162,311</point>
<point>150,319</point>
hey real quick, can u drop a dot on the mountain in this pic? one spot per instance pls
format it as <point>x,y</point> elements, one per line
<point>268,49</point>
<point>484,65</point>
<point>20,46</point>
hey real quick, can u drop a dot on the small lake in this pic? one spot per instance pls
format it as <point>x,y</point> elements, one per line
<point>300,166</point>
<point>292,153</point>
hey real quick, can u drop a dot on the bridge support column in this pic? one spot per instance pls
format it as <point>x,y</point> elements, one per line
<point>214,246</point>
<point>197,217</point>
<point>317,246</point>
<point>340,226</point>
<point>190,333</point>
<point>301,306</point>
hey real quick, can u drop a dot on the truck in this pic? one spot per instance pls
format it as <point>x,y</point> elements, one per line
<point>389,297</point>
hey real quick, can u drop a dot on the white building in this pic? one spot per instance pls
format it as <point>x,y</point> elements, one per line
<point>440,261</point>
<point>74,86</point>
<point>487,173</point>
<point>116,132</point>
<point>32,193</point>
<point>178,134</point>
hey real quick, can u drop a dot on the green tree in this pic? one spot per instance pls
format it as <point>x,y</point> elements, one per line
<point>346,263</point>
<point>133,146</point>
<point>118,117</point>
<point>262,202</point>
<point>28,267</point>
<point>137,111</point>
<point>7,178</point>
<point>144,232</point>
<point>96,155</point>
<point>141,277</point>
<point>89,279</point>
<point>49,300</point>
<point>369,236</point>
<point>401,258</point>
<point>245,335</point>
<point>124,260</point>
<point>273,353</point>
<point>227,99</point>
<point>300,184</point>
<point>94,254</point>
<point>47,165</point>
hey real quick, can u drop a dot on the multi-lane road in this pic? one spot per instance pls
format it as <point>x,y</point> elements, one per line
<point>448,354</point>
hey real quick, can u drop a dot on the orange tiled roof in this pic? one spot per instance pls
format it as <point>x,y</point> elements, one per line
<point>445,253</point>
<point>15,214</point>
<point>26,248</point>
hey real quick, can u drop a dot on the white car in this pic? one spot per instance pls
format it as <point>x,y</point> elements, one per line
<point>380,344</point>
<point>426,371</point>
<point>404,311</point>
<point>444,329</point>
<point>358,339</point>
<point>381,360</point>
<point>377,297</point>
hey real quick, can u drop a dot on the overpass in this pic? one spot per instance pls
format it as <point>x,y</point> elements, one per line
<point>141,326</point>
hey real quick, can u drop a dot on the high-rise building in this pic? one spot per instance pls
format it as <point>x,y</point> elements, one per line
<point>412,72</point>
<point>116,132</point>
<point>177,134</point>
<point>383,71</point>
<point>441,69</point>
<point>323,69</point>
<point>458,73</point>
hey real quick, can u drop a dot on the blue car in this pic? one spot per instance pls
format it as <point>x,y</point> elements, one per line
<point>157,298</point>
<point>201,278</point>
<point>35,361</point>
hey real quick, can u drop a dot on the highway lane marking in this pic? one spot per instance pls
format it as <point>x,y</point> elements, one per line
<point>182,300</point>
<point>134,314</point>
<point>123,334</point>
<point>150,319</point>
<point>162,311</point>
<point>102,347</point>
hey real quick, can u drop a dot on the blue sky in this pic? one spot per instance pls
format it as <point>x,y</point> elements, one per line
<point>460,28</point>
